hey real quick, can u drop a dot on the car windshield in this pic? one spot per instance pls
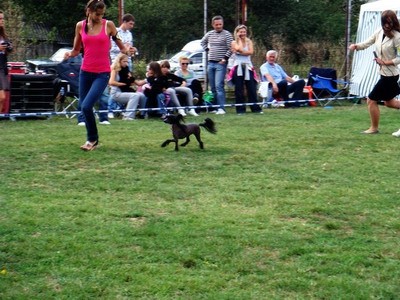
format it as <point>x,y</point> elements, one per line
<point>59,55</point>
<point>176,57</point>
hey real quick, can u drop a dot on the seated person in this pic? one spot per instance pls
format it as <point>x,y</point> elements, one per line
<point>274,73</point>
<point>190,77</point>
<point>120,81</point>
<point>176,85</point>
<point>155,88</point>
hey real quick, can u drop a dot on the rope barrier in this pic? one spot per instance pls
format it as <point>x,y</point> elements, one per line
<point>207,107</point>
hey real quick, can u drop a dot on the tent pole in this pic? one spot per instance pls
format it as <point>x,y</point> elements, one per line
<point>347,42</point>
<point>205,31</point>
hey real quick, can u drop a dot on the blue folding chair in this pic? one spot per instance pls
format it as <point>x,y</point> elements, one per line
<point>325,85</point>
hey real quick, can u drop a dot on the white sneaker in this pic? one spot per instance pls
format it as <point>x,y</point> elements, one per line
<point>182,112</point>
<point>274,103</point>
<point>105,122</point>
<point>110,115</point>
<point>81,124</point>
<point>128,119</point>
<point>192,112</point>
<point>396,133</point>
<point>220,111</point>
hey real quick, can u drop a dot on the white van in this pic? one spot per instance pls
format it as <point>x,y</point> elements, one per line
<point>197,59</point>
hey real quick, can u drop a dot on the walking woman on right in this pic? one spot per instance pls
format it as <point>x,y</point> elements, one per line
<point>387,47</point>
<point>5,48</point>
<point>243,73</point>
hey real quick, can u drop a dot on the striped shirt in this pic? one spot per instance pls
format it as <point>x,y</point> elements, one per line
<point>218,45</point>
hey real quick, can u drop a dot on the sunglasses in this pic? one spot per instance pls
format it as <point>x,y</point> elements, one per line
<point>184,64</point>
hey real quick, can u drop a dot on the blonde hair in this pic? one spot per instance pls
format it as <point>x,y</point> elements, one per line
<point>117,62</point>
<point>183,58</point>
<point>235,34</point>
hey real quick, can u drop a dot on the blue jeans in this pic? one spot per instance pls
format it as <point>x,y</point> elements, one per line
<point>103,104</point>
<point>91,87</point>
<point>161,101</point>
<point>216,77</point>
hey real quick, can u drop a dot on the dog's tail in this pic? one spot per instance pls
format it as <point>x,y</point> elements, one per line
<point>209,125</point>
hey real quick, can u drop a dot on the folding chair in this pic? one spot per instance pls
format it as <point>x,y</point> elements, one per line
<point>68,71</point>
<point>324,84</point>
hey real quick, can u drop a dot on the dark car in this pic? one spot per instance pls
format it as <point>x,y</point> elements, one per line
<point>50,65</point>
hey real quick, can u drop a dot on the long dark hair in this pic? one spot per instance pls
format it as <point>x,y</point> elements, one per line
<point>155,67</point>
<point>389,17</point>
<point>92,6</point>
<point>2,30</point>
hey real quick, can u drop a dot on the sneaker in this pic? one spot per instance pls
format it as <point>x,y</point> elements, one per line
<point>182,112</point>
<point>110,115</point>
<point>105,122</point>
<point>274,103</point>
<point>192,112</point>
<point>81,124</point>
<point>396,133</point>
<point>195,99</point>
<point>128,119</point>
<point>220,111</point>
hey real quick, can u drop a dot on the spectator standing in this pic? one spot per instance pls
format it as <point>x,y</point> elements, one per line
<point>124,32</point>
<point>5,48</point>
<point>217,43</point>
<point>387,44</point>
<point>93,34</point>
<point>274,73</point>
<point>243,73</point>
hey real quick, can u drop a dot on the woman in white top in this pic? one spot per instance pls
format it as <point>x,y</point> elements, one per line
<point>387,45</point>
<point>243,73</point>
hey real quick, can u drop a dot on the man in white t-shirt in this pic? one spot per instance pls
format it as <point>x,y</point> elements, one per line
<point>124,32</point>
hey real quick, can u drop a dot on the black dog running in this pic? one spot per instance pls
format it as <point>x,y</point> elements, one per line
<point>181,130</point>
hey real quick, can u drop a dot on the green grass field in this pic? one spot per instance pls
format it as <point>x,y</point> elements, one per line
<point>292,204</point>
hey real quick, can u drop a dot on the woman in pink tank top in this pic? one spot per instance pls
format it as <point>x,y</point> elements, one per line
<point>93,35</point>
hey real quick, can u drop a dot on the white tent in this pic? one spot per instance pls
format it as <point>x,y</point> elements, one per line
<point>364,69</point>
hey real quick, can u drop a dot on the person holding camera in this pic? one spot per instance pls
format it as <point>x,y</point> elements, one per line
<point>5,48</point>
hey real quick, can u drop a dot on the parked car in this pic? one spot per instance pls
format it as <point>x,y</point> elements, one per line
<point>50,65</point>
<point>197,59</point>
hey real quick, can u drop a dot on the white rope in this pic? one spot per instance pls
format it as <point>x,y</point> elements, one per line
<point>64,113</point>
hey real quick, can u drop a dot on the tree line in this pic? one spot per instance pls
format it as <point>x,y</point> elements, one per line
<point>303,31</point>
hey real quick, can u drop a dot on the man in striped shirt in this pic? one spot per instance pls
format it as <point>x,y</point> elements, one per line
<point>217,43</point>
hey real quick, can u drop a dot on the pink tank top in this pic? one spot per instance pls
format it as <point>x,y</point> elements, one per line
<point>96,50</point>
